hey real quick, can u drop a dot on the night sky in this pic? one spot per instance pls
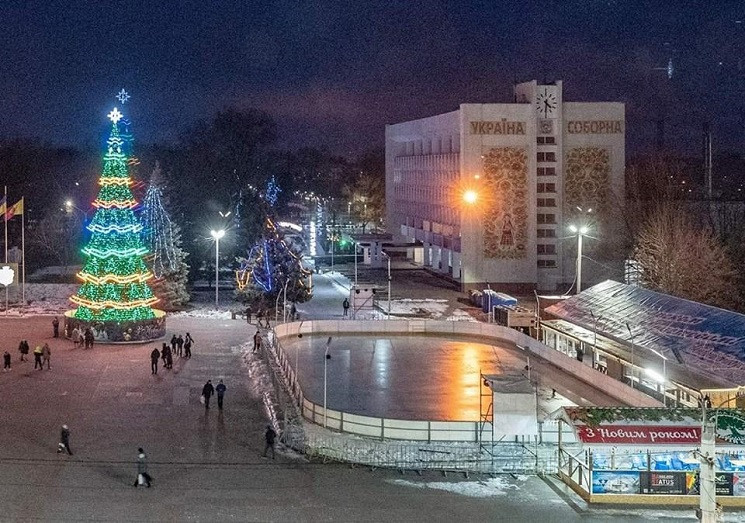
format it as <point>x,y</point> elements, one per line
<point>334,73</point>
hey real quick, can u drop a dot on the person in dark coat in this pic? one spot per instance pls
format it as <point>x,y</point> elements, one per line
<point>174,342</point>
<point>169,359</point>
<point>345,305</point>
<point>37,358</point>
<point>269,437</point>
<point>55,327</point>
<point>23,348</point>
<point>257,341</point>
<point>163,354</point>
<point>179,345</point>
<point>64,441</point>
<point>207,391</point>
<point>142,468</point>
<point>220,389</point>
<point>6,363</point>
<point>154,357</point>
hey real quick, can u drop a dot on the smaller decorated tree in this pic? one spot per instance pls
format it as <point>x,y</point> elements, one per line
<point>162,237</point>
<point>273,268</point>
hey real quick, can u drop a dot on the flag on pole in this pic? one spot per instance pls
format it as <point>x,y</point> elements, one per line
<point>2,205</point>
<point>15,210</point>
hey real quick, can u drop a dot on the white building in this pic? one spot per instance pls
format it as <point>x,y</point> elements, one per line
<point>533,164</point>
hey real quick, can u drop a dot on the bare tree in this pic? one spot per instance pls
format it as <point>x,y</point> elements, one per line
<point>679,258</point>
<point>57,238</point>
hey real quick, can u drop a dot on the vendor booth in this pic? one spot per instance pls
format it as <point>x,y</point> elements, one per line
<point>650,455</point>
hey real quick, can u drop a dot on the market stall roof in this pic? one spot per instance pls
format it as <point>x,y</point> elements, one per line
<point>704,338</point>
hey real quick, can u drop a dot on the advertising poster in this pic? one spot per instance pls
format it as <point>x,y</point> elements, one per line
<point>615,482</point>
<point>724,483</point>
<point>738,484</point>
<point>662,482</point>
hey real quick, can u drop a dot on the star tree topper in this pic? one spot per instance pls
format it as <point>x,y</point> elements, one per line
<point>123,96</point>
<point>115,115</point>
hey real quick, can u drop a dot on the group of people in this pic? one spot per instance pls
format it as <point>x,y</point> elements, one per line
<point>42,355</point>
<point>180,346</point>
<point>208,391</point>
<point>82,337</point>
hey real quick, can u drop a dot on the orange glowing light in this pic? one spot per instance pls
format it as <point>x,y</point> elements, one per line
<point>470,196</point>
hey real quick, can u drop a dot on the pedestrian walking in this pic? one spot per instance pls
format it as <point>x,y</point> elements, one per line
<point>64,441</point>
<point>23,348</point>
<point>6,364</point>
<point>46,355</point>
<point>269,436</point>
<point>221,388</point>
<point>188,342</point>
<point>180,345</point>
<point>81,338</point>
<point>345,305</point>
<point>154,357</point>
<point>174,342</point>
<point>293,312</point>
<point>75,337</point>
<point>37,357</point>
<point>143,478</point>
<point>257,341</point>
<point>169,360</point>
<point>88,338</point>
<point>249,312</point>
<point>163,352</point>
<point>55,327</point>
<point>207,391</point>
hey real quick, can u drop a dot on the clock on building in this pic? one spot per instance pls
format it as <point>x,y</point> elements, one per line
<point>546,102</point>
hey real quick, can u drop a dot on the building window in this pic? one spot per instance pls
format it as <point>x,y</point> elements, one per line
<point>547,233</point>
<point>546,249</point>
<point>546,171</point>
<point>546,202</point>
<point>546,218</point>
<point>546,264</point>
<point>546,140</point>
<point>546,157</point>
<point>546,187</point>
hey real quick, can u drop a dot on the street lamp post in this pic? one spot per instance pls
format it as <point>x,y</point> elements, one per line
<point>632,353</point>
<point>326,358</point>
<point>389,282</point>
<point>217,235</point>
<point>580,231</point>
<point>355,264</point>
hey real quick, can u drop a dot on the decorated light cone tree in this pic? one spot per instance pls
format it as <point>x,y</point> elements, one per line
<point>115,289</point>
<point>162,238</point>
<point>273,268</point>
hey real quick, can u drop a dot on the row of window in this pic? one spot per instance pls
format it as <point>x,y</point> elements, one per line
<point>546,202</point>
<point>546,187</point>
<point>546,157</point>
<point>546,218</point>
<point>546,264</point>
<point>546,171</point>
<point>546,140</point>
<point>546,248</point>
<point>547,233</point>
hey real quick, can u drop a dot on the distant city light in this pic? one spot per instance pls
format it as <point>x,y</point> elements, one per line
<point>470,196</point>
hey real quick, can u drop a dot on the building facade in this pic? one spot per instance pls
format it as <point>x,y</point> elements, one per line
<point>537,165</point>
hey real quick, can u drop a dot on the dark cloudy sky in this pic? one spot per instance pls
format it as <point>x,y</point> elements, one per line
<point>333,73</point>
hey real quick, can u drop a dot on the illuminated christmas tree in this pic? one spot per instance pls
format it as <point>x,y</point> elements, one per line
<point>115,275</point>
<point>162,238</point>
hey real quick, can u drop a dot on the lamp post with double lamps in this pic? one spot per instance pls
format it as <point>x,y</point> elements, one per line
<point>217,234</point>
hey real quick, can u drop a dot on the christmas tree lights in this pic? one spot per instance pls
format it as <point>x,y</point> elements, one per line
<point>115,275</point>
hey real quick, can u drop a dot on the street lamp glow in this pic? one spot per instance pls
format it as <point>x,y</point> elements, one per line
<point>217,235</point>
<point>470,196</point>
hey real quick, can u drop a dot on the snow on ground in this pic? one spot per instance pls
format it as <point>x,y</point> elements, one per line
<point>497,486</point>
<point>203,312</point>
<point>42,298</point>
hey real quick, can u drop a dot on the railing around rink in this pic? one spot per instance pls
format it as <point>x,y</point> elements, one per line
<point>574,471</point>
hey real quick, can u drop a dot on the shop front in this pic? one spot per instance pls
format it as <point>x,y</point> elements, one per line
<point>650,455</point>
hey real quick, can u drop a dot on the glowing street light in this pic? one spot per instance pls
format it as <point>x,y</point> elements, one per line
<point>470,196</point>
<point>217,235</point>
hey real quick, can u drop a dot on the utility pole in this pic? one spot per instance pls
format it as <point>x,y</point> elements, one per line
<point>707,476</point>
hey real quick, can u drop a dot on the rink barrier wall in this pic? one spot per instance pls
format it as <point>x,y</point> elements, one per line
<point>416,430</point>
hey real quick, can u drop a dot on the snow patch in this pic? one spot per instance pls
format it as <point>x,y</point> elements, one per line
<point>498,486</point>
<point>203,313</point>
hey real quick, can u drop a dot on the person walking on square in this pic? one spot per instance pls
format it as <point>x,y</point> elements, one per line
<point>257,341</point>
<point>55,327</point>
<point>6,361</point>
<point>46,355</point>
<point>143,478</point>
<point>220,389</point>
<point>169,359</point>
<point>37,358</point>
<point>269,436</point>
<point>163,352</point>
<point>207,391</point>
<point>64,441</point>
<point>188,341</point>
<point>345,305</point>
<point>88,338</point>
<point>75,337</point>
<point>23,349</point>
<point>174,342</point>
<point>154,357</point>
<point>180,345</point>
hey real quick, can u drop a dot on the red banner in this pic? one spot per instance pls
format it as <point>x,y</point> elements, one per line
<point>638,434</point>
